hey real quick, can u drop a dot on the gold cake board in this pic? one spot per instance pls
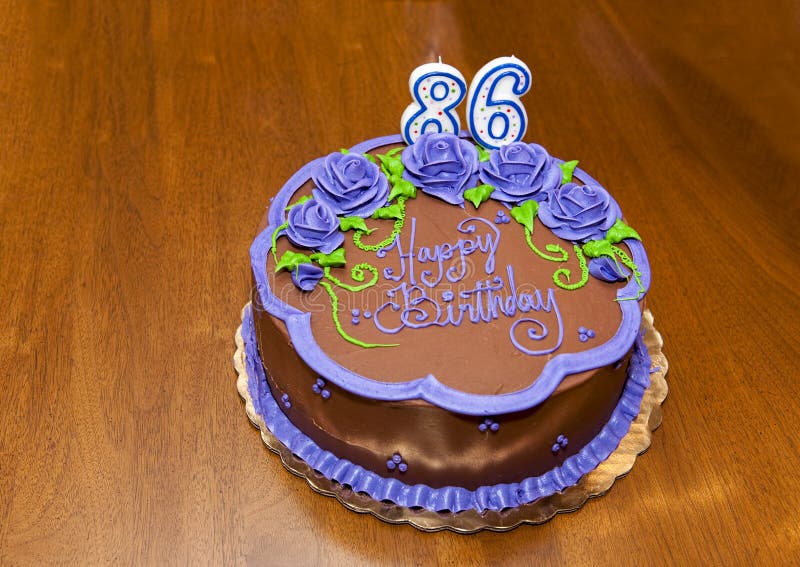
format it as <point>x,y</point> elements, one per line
<point>593,484</point>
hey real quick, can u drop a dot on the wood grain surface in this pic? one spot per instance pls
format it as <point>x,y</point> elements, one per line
<point>140,145</point>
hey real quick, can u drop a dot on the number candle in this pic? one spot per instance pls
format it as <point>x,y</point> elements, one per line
<point>437,89</point>
<point>495,114</point>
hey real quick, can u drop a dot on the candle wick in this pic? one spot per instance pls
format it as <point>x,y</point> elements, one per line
<point>440,59</point>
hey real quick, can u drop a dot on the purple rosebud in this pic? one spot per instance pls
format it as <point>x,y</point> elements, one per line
<point>607,269</point>
<point>307,276</point>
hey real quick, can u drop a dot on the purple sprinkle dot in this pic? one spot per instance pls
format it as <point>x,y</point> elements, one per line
<point>402,467</point>
<point>287,405</point>
<point>355,312</point>
<point>367,314</point>
<point>316,388</point>
<point>581,330</point>
<point>590,333</point>
<point>397,458</point>
<point>285,397</point>
<point>501,213</point>
<point>555,448</point>
<point>560,439</point>
<point>482,427</point>
<point>320,382</point>
<point>325,394</point>
<point>565,442</point>
<point>354,321</point>
<point>583,338</point>
<point>390,464</point>
<point>487,421</point>
<point>494,426</point>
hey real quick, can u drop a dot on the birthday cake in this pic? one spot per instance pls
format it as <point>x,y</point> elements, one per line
<point>439,323</point>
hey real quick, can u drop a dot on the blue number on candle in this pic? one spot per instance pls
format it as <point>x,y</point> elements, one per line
<point>437,89</point>
<point>495,114</point>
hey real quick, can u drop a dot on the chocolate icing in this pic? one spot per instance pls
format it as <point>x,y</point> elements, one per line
<point>472,363</point>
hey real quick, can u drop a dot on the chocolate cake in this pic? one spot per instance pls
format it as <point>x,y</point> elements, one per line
<point>443,326</point>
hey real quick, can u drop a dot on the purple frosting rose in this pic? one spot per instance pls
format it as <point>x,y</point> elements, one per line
<point>520,171</point>
<point>350,184</point>
<point>314,225</point>
<point>442,165</point>
<point>606,269</point>
<point>579,212</point>
<point>307,276</point>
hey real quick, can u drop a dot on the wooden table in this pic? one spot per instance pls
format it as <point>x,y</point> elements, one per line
<point>140,145</point>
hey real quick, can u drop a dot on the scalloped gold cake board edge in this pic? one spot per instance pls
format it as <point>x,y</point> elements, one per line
<point>593,484</point>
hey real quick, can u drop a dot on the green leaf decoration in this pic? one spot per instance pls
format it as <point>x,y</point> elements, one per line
<point>391,212</point>
<point>479,194</point>
<point>370,158</point>
<point>620,231</point>
<point>300,201</point>
<point>402,188</point>
<point>597,248</point>
<point>290,260</point>
<point>483,153</point>
<point>353,223</point>
<point>525,213</point>
<point>567,169</point>
<point>392,165</point>
<point>345,151</point>
<point>333,260</point>
<point>394,152</point>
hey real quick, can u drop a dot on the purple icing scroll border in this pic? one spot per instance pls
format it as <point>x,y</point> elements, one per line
<point>428,388</point>
<point>451,498</point>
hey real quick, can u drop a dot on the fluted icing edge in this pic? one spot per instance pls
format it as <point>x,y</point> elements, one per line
<point>262,408</point>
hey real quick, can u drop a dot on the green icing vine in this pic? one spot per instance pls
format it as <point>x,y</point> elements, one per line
<point>338,325</point>
<point>275,236</point>
<point>483,153</point>
<point>553,248</point>
<point>357,273</point>
<point>637,275</point>
<point>398,226</point>
<point>565,272</point>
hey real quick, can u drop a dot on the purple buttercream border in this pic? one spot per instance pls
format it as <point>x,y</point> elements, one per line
<point>451,498</point>
<point>428,388</point>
